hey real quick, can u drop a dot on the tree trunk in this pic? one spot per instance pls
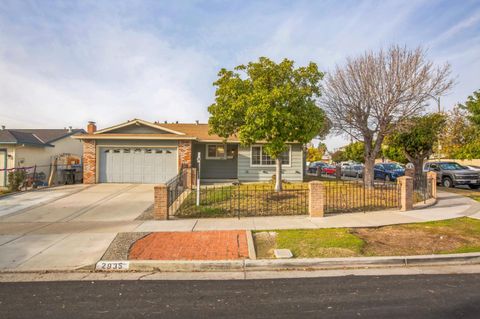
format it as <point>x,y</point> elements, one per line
<point>418,164</point>
<point>278,175</point>
<point>368,174</point>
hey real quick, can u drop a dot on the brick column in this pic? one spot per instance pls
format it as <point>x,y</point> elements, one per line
<point>316,199</point>
<point>89,162</point>
<point>191,177</point>
<point>406,193</point>
<point>410,172</point>
<point>432,176</point>
<point>160,204</point>
<point>184,154</point>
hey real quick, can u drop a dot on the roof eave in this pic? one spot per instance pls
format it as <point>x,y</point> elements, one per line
<point>135,121</point>
<point>103,137</point>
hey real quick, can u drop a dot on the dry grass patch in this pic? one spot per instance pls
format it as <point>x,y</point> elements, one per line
<point>450,236</point>
<point>305,243</point>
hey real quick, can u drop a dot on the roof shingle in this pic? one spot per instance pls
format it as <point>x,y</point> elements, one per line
<point>37,137</point>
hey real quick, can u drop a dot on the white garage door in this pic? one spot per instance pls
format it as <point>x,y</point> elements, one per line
<point>137,165</point>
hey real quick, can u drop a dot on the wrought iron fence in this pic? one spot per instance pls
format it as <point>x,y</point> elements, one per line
<point>353,196</point>
<point>242,201</point>
<point>37,176</point>
<point>177,186</point>
<point>422,188</point>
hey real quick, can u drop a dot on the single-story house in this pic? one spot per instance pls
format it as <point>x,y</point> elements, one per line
<point>138,151</point>
<point>30,147</point>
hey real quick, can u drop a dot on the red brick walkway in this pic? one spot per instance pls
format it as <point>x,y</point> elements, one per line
<point>207,245</point>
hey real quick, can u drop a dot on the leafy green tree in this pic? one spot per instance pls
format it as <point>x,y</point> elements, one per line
<point>339,156</point>
<point>473,107</point>
<point>313,154</point>
<point>270,103</point>
<point>322,148</point>
<point>460,137</point>
<point>417,137</point>
<point>355,152</point>
<point>394,153</point>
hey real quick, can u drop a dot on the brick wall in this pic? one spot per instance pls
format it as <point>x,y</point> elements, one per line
<point>406,193</point>
<point>316,199</point>
<point>184,154</point>
<point>160,204</point>
<point>89,161</point>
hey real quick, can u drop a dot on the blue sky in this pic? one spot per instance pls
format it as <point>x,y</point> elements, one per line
<point>63,63</point>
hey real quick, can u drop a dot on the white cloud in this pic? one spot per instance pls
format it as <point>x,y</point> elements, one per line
<point>103,72</point>
<point>62,65</point>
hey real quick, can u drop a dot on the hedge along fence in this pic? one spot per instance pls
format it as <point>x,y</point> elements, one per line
<point>316,198</point>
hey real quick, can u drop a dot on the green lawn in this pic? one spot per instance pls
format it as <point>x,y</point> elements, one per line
<point>442,237</point>
<point>257,199</point>
<point>260,199</point>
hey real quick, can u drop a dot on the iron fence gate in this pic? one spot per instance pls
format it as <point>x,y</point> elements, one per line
<point>422,188</point>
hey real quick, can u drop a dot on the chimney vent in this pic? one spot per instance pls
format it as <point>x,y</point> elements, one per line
<point>91,127</point>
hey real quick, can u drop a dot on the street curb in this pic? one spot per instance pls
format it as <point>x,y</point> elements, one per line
<point>428,203</point>
<point>293,264</point>
<point>251,246</point>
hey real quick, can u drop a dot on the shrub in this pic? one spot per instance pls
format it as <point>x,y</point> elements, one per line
<point>16,179</point>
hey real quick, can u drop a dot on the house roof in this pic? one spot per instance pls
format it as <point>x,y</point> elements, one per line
<point>175,131</point>
<point>35,137</point>
<point>200,131</point>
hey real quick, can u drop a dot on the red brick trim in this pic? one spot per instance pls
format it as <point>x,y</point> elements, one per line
<point>89,161</point>
<point>184,154</point>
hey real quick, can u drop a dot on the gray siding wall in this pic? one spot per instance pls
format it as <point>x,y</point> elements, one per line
<point>247,173</point>
<point>214,169</point>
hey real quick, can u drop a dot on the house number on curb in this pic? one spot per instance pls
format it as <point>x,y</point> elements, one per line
<point>112,265</point>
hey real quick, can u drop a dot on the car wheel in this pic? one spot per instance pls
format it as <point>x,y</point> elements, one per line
<point>474,186</point>
<point>447,182</point>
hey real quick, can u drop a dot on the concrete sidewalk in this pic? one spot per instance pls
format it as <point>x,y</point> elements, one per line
<point>69,244</point>
<point>448,206</point>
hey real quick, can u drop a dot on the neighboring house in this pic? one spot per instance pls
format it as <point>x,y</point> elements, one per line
<point>29,147</point>
<point>138,151</point>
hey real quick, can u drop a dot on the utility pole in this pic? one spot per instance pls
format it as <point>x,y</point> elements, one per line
<point>439,147</point>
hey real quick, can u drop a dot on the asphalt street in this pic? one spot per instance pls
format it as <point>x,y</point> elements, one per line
<point>419,296</point>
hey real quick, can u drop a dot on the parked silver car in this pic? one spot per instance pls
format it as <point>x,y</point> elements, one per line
<point>451,174</point>
<point>354,170</point>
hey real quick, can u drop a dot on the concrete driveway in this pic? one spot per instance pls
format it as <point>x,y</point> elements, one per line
<point>67,227</point>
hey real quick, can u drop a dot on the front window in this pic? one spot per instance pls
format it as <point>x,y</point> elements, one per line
<point>216,151</point>
<point>260,158</point>
<point>451,166</point>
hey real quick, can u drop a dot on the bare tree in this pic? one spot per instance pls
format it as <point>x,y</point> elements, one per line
<point>372,93</point>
